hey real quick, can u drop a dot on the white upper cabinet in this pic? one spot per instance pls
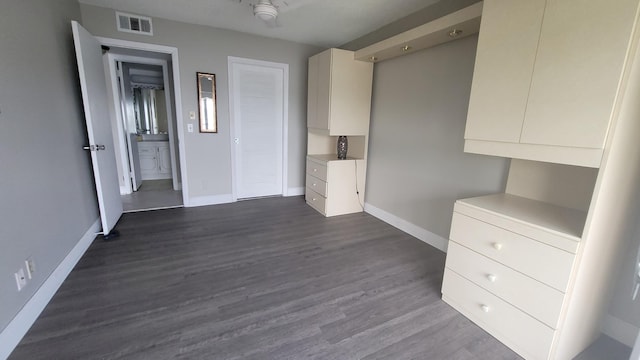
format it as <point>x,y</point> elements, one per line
<point>504,63</point>
<point>547,78</point>
<point>339,97</point>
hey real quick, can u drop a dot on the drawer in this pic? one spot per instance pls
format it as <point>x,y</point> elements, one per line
<point>542,262</point>
<point>147,150</point>
<point>533,297</point>
<point>523,334</point>
<point>317,185</point>
<point>316,200</point>
<point>317,170</point>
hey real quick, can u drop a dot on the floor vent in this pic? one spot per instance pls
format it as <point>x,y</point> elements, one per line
<point>134,23</point>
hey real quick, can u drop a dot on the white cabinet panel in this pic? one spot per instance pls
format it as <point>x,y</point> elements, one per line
<point>579,65</point>
<point>504,65</point>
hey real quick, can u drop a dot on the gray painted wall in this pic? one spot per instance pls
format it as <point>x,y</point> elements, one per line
<point>47,197</point>
<point>417,167</point>
<point>201,48</point>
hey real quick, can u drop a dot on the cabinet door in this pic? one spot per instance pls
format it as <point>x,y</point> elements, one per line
<point>312,93</point>
<point>148,162</point>
<point>323,89</point>
<point>351,84</point>
<point>164,159</point>
<point>504,64</point>
<point>581,54</point>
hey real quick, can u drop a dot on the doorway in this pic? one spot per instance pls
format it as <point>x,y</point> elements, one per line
<point>146,142</point>
<point>258,102</point>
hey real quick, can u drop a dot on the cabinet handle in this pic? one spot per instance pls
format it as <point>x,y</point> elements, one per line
<point>491,278</point>
<point>313,199</point>
<point>485,308</point>
<point>497,245</point>
<point>314,185</point>
<point>314,169</point>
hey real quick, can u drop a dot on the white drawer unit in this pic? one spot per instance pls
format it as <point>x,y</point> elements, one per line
<point>524,334</point>
<point>516,251</point>
<point>336,185</point>
<point>529,295</point>
<point>511,284</point>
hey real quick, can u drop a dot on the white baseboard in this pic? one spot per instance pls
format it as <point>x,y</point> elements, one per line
<point>425,235</point>
<point>18,327</point>
<point>209,200</point>
<point>297,191</point>
<point>620,330</point>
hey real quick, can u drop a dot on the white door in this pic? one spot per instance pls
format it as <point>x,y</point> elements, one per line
<point>257,108</point>
<point>96,111</point>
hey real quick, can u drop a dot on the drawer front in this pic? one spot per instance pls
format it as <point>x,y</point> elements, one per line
<point>148,150</point>
<point>525,335</point>
<point>317,170</point>
<point>317,185</point>
<point>533,297</point>
<point>316,200</point>
<point>544,263</point>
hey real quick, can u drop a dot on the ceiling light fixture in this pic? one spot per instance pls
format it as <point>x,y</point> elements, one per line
<point>455,33</point>
<point>265,11</point>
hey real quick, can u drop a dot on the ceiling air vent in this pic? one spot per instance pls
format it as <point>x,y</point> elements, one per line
<point>134,23</point>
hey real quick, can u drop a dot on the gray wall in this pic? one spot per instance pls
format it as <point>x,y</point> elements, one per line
<point>417,167</point>
<point>47,197</point>
<point>201,48</point>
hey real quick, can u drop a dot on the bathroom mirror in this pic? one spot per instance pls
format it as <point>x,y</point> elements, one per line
<point>150,111</point>
<point>207,102</point>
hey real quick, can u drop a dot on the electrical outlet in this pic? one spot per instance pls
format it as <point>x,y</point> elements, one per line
<point>30,266</point>
<point>190,128</point>
<point>192,115</point>
<point>21,280</point>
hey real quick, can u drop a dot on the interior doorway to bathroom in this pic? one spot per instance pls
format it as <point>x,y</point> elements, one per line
<point>146,142</point>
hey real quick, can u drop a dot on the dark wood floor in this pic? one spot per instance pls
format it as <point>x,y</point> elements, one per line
<point>260,279</point>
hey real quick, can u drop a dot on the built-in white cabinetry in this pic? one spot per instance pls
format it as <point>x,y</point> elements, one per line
<point>548,78</point>
<point>509,263</point>
<point>155,160</point>
<point>339,97</point>
<point>339,104</point>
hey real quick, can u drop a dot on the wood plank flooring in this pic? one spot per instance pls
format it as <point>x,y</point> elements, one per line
<point>260,279</point>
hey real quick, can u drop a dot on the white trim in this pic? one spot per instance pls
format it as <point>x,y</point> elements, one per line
<point>620,330</point>
<point>173,51</point>
<point>211,200</point>
<point>425,235</point>
<point>285,118</point>
<point>296,191</point>
<point>18,327</point>
<point>124,190</point>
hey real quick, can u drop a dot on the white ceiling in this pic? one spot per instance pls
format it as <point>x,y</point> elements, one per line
<point>325,23</point>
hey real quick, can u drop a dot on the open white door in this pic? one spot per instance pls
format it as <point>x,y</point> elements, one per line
<point>96,111</point>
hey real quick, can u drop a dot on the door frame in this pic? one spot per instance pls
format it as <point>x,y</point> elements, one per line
<point>123,140</point>
<point>177,95</point>
<point>232,60</point>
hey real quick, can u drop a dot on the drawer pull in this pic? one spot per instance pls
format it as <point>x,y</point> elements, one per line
<point>491,278</point>
<point>315,170</point>
<point>497,245</point>
<point>313,199</point>
<point>314,185</point>
<point>485,308</point>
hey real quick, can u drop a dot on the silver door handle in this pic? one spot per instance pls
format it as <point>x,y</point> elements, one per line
<point>94,147</point>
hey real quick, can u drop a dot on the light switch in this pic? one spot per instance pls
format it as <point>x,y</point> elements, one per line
<point>192,116</point>
<point>190,128</point>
